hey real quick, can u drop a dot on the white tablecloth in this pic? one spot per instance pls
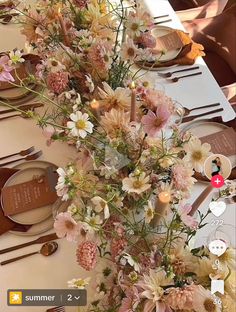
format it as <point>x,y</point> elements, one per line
<point>38,272</point>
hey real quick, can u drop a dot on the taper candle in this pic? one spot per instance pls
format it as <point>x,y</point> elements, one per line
<point>63,28</point>
<point>162,204</point>
<point>133,102</point>
<point>95,108</point>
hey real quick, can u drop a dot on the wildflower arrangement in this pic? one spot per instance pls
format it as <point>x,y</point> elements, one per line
<point>128,188</point>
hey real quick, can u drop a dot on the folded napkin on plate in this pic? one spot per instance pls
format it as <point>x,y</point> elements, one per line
<point>22,72</point>
<point>190,51</point>
<point>5,223</point>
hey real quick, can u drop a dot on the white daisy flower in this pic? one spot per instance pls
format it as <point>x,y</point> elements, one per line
<point>128,51</point>
<point>89,83</point>
<point>79,283</point>
<point>61,187</point>
<point>54,65</point>
<point>80,125</point>
<point>134,26</point>
<point>16,57</point>
<point>136,184</point>
<point>129,259</point>
<point>149,212</point>
<point>197,153</point>
<point>101,205</point>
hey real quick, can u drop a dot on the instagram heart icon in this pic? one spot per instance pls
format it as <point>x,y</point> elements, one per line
<point>217,208</point>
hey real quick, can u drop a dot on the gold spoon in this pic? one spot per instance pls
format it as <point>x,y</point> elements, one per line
<point>46,250</point>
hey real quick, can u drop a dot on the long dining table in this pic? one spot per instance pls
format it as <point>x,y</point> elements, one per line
<point>38,272</point>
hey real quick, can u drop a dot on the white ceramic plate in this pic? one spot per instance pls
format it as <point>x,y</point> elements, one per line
<point>45,225</point>
<point>35,215</point>
<point>201,128</point>
<point>13,93</point>
<point>160,31</point>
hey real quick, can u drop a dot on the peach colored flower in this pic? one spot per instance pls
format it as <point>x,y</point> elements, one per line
<point>115,122</point>
<point>181,298</point>
<point>182,177</point>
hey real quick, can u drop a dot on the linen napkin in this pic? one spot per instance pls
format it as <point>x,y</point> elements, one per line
<point>190,51</point>
<point>5,223</point>
<point>23,71</point>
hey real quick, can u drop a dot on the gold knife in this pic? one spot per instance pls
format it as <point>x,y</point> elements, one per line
<point>22,107</point>
<point>40,240</point>
<point>190,118</point>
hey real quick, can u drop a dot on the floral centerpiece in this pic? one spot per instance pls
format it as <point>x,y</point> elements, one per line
<point>128,188</point>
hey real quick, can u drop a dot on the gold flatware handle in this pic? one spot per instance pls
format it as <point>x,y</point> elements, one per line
<point>22,107</point>
<point>18,258</point>
<point>29,157</point>
<point>190,118</point>
<point>162,22</point>
<point>40,240</point>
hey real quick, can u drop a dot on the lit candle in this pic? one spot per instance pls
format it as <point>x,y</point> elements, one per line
<point>133,102</point>
<point>95,108</point>
<point>162,204</point>
<point>63,28</point>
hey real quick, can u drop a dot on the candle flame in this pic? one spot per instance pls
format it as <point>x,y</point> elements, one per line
<point>94,104</point>
<point>132,85</point>
<point>164,197</point>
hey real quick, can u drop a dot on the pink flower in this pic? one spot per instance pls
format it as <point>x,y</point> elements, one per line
<point>154,122</point>
<point>117,247</point>
<point>159,306</point>
<point>87,255</point>
<point>153,98</point>
<point>65,225</point>
<point>108,227</point>
<point>99,56</point>
<point>81,3</point>
<point>182,177</point>
<point>5,69</point>
<point>147,40</point>
<point>57,82</point>
<point>188,220</point>
<point>48,132</point>
<point>130,303</point>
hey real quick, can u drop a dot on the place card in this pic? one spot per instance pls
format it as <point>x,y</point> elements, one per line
<point>168,42</point>
<point>223,142</point>
<point>38,192</point>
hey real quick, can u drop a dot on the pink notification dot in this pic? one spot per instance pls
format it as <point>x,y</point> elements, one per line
<point>217,181</point>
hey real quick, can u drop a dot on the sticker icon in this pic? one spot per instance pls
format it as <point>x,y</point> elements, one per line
<point>217,208</point>
<point>217,247</point>
<point>15,297</point>
<point>217,286</point>
<point>217,165</point>
<point>217,181</point>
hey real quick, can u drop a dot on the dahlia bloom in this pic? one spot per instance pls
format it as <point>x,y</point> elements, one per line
<point>57,82</point>
<point>181,298</point>
<point>87,255</point>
